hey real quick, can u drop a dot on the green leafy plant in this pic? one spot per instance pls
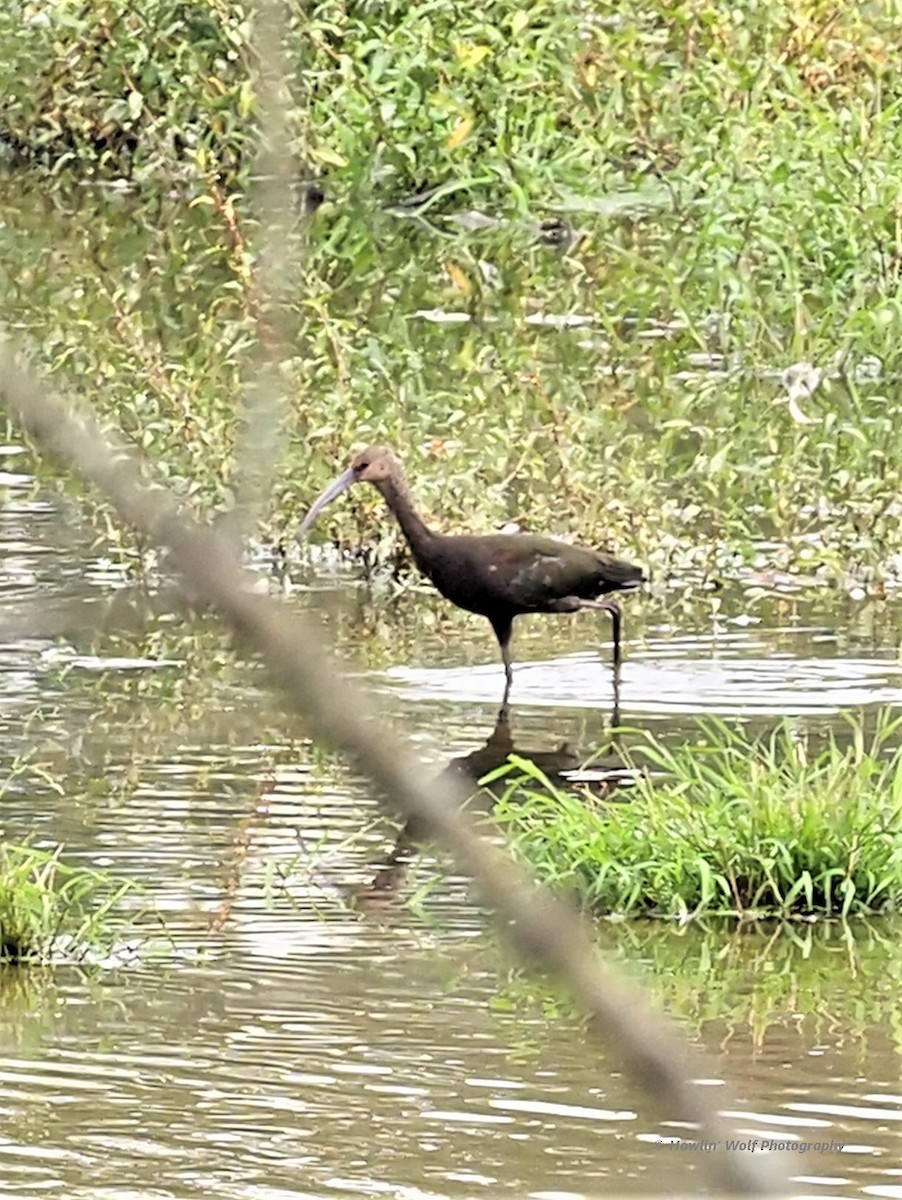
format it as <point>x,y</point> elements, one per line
<point>121,89</point>
<point>51,912</point>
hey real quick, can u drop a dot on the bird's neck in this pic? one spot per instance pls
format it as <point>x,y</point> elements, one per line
<point>418,534</point>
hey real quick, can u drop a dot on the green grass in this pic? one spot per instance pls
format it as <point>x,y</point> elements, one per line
<point>726,825</point>
<point>51,912</point>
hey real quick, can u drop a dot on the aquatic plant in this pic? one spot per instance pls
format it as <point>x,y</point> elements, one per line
<point>51,912</point>
<point>727,824</point>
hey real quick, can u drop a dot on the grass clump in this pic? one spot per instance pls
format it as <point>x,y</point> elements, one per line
<point>728,825</point>
<point>50,912</point>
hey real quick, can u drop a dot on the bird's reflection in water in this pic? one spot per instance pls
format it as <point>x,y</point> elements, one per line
<point>564,767</point>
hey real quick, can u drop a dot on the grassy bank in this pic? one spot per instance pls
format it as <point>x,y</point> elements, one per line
<point>646,216</point>
<point>727,826</point>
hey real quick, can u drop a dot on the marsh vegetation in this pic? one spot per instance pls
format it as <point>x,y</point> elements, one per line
<point>648,293</point>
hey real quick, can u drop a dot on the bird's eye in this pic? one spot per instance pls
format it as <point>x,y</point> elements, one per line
<point>360,467</point>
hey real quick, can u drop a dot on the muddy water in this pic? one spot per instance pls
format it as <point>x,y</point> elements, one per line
<point>309,1049</point>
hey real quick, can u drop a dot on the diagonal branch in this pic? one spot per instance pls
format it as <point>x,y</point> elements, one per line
<point>269,279</point>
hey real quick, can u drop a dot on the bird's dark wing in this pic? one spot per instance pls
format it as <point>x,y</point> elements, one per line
<point>503,574</point>
<point>546,574</point>
<point>534,572</point>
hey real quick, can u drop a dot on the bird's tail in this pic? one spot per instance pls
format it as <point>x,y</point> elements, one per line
<point>623,576</point>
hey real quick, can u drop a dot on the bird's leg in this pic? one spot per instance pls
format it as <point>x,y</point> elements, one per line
<point>609,605</point>
<point>503,627</point>
<point>508,679</point>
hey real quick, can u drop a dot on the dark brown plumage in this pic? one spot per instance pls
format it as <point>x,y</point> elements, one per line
<point>499,576</point>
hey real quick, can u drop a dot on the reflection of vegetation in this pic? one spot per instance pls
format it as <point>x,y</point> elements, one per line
<point>733,827</point>
<point>51,912</point>
<point>186,689</point>
<point>714,243</point>
<point>833,973</point>
<point>29,1007</point>
<point>757,977</point>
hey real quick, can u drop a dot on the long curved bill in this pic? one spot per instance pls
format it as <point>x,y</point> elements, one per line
<point>326,496</point>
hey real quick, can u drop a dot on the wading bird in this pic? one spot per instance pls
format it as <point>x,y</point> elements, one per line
<point>498,575</point>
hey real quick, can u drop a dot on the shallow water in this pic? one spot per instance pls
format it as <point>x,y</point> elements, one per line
<point>348,1029</point>
<point>379,1062</point>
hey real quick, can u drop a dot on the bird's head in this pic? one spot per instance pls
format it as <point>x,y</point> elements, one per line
<point>376,465</point>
